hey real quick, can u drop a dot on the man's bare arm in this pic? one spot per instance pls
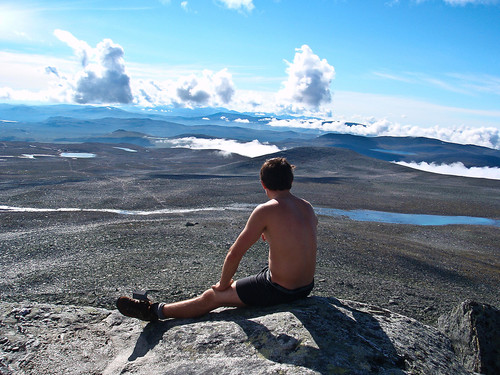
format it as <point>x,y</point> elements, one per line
<point>251,233</point>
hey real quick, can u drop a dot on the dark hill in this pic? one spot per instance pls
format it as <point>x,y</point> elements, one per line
<point>322,162</point>
<point>410,149</point>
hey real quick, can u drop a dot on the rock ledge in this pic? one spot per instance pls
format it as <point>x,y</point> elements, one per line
<point>313,336</point>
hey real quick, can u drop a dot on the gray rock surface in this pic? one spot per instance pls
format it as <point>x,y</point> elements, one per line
<point>317,335</point>
<point>474,330</point>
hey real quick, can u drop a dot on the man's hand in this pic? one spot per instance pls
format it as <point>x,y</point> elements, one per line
<point>220,288</point>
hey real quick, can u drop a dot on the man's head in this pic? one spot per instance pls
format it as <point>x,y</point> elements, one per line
<point>277,174</point>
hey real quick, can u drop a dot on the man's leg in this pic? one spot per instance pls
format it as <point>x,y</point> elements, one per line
<point>203,304</point>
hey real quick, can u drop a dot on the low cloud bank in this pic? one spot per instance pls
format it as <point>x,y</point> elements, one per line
<point>484,136</point>
<point>225,146</point>
<point>455,169</point>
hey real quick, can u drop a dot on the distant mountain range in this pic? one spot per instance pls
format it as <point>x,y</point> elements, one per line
<point>78,124</point>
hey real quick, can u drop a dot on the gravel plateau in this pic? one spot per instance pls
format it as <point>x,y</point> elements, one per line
<point>74,250</point>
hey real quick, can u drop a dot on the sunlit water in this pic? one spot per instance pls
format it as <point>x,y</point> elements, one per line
<point>78,155</point>
<point>414,219</point>
<point>356,215</point>
<point>75,155</point>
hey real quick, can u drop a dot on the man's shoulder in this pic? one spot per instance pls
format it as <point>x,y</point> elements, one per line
<point>265,210</point>
<point>265,207</point>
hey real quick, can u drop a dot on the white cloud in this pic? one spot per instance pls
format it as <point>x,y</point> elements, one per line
<point>465,2</point>
<point>460,2</point>
<point>478,83</point>
<point>455,169</point>
<point>191,89</point>
<point>467,84</point>
<point>309,79</point>
<point>226,146</point>
<point>98,76</point>
<point>206,89</point>
<point>238,4</point>
<point>28,77</point>
<point>223,85</point>
<point>81,49</point>
<point>103,78</point>
<point>242,120</point>
<point>303,124</point>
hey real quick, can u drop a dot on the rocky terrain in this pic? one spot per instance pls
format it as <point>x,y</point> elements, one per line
<point>313,336</point>
<point>78,254</point>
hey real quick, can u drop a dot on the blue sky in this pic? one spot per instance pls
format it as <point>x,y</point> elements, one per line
<point>399,65</point>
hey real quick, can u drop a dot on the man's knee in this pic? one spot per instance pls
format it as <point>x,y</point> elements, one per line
<point>209,296</point>
<point>215,299</point>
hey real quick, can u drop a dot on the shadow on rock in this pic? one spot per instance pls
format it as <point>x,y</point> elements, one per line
<point>330,337</point>
<point>152,334</point>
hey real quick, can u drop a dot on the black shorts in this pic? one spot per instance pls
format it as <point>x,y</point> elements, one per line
<point>259,290</point>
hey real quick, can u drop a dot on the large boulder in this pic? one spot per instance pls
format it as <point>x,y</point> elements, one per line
<point>474,330</point>
<point>312,336</point>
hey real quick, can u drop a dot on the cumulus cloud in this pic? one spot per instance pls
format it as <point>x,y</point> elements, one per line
<point>238,4</point>
<point>456,169</point>
<point>103,78</point>
<point>483,136</point>
<point>226,146</point>
<point>206,89</point>
<point>194,90</point>
<point>309,79</point>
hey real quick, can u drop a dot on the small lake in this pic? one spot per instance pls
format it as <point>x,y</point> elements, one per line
<point>397,218</point>
<point>78,155</point>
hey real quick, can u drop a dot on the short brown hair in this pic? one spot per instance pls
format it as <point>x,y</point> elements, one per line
<point>277,174</point>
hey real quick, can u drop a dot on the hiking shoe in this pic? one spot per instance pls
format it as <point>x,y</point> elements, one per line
<point>135,308</point>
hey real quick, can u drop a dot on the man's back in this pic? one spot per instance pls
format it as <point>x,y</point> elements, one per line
<point>288,224</point>
<point>290,230</point>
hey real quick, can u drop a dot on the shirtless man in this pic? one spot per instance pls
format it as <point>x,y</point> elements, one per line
<point>288,224</point>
